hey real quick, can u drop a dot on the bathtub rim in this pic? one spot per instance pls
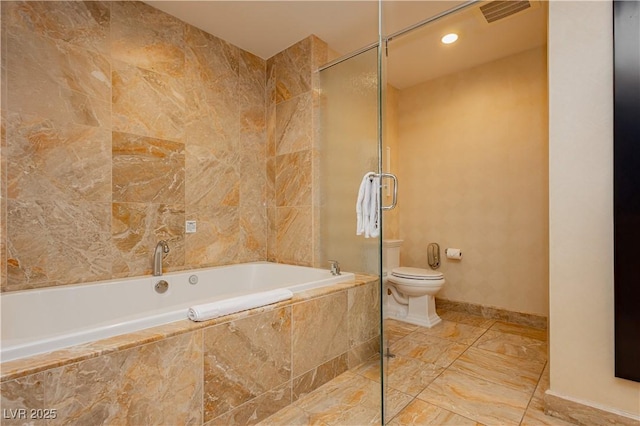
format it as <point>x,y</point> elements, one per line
<point>14,369</point>
<point>18,345</point>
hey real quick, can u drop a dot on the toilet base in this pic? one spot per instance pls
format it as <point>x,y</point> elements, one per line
<point>420,311</point>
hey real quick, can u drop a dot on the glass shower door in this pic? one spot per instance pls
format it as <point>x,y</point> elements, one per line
<point>349,149</point>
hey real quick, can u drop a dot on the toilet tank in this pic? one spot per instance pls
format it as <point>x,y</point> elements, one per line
<point>390,254</point>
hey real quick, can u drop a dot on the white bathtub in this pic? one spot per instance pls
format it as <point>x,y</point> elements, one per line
<point>40,321</point>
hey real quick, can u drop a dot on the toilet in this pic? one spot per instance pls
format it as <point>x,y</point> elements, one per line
<point>410,291</point>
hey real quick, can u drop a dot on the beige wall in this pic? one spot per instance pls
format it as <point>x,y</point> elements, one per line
<point>391,218</point>
<point>473,175</point>
<point>120,122</point>
<point>581,211</point>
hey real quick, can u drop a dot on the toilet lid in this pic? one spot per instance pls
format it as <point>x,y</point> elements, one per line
<point>416,273</point>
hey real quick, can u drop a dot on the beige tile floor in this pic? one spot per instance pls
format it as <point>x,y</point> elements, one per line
<point>467,370</point>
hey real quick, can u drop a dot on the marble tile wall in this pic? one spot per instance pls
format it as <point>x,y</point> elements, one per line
<point>238,371</point>
<point>292,152</point>
<point>120,122</point>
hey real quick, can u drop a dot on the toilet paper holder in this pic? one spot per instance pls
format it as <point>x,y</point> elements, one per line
<point>433,255</point>
<point>453,253</point>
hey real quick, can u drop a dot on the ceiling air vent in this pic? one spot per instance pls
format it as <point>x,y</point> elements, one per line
<point>498,9</point>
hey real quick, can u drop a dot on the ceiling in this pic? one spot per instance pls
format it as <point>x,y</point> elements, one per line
<point>265,28</point>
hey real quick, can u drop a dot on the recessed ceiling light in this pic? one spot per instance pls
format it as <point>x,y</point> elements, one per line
<point>449,38</point>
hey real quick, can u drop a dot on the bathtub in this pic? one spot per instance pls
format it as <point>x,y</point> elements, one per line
<point>40,321</point>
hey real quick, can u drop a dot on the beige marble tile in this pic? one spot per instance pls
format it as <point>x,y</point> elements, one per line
<point>429,349</point>
<point>311,380</point>
<point>477,399</point>
<point>25,393</point>
<point>395,330</point>
<point>364,352</point>
<point>257,409</point>
<point>517,373</point>
<point>466,334</point>
<point>291,416</point>
<point>423,413</point>
<point>3,191</point>
<point>293,179</point>
<point>27,261</point>
<point>294,127</point>
<point>136,228</point>
<point>408,375</point>
<point>253,234</point>
<point>64,83</point>
<point>464,318</point>
<point>349,399</point>
<point>51,242</point>
<point>125,387</point>
<point>78,241</point>
<point>520,330</point>
<point>210,59</point>
<point>49,160</point>
<point>147,38</point>
<point>293,235</point>
<point>293,70</point>
<point>490,312</point>
<point>84,24</point>
<point>253,186</point>
<point>319,52</point>
<point>211,179</point>
<point>244,359</point>
<point>364,313</point>
<point>35,62</point>
<point>272,232</point>
<point>535,416</point>
<point>217,241</point>
<point>252,80</point>
<point>583,414</point>
<point>319,331</point>
<point>147,103</point>
<point>513,345</point>
<point>212,118</point>
<point>147,170</point>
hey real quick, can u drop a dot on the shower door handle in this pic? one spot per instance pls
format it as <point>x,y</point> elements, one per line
<point>394,200</point>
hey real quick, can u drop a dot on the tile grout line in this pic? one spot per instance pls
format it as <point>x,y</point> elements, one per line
<point>440,374</point>
<point>533,394</point>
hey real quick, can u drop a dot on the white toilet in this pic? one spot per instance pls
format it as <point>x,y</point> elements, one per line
<point>410,291</point>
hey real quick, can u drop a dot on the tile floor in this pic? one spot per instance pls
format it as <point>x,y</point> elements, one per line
<point>467,370</point>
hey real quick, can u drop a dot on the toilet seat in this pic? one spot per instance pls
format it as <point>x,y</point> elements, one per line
<point>417,274</point>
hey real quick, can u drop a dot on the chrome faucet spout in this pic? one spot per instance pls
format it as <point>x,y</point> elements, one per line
<point>162,248</point>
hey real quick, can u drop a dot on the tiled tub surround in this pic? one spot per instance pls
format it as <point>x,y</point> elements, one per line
<point>120,122</point>
<point>237,369</point>
<point>43,320</point>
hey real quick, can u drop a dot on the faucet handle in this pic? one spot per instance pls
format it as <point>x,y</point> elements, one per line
<point>165,246</point>
<point>335,267</point>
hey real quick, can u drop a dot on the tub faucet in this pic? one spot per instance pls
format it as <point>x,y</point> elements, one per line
<point>162,248</point>
<point>335,267</point>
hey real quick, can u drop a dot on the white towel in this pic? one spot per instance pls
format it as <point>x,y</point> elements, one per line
<point>367,206</point>
<point>373,229</point>
<point>236,304</point>
<point>362,206</point>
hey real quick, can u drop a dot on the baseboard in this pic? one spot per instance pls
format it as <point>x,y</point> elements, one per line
<point>584,413</point>
<point>531,320</point>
